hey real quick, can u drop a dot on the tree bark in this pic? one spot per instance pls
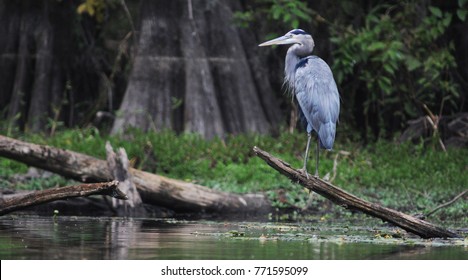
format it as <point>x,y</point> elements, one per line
<point>193,74</point>
<point>119,167</point>
<point>39,108</point>
<point>340,197</point>
<point>49,63</point>
<point>27,61</point>
<point>44,196</point>
<point>154,189</point>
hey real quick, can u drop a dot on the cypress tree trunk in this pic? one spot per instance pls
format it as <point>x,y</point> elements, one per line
<point>193,73</point>
<point>49,64</point>
<point>41,90</point>
<point>26,63</point>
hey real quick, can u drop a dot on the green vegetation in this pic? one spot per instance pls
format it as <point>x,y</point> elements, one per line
<point>393,61</point>
<point>288,13</point>
<point>402,64</point>
<point>411,178</point>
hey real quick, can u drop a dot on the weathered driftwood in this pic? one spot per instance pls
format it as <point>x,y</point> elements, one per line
<point>340,197</point>
<point>44,196</point>
<point>118,165</point>
<point>154,189</point>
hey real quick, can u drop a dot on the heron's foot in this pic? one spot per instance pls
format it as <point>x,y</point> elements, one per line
<point>304,172</point>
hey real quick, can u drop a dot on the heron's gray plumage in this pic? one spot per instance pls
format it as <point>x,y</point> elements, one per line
<point>318,98</point>
<point>314,87</point>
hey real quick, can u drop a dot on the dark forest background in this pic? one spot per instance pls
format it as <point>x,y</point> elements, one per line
<point>194,66</point>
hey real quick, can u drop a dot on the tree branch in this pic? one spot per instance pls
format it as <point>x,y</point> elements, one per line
<point>446,203</point>
<point>44,196</point>
<point>342,198</point>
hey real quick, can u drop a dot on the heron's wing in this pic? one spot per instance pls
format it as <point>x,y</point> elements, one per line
<point>318,97</point>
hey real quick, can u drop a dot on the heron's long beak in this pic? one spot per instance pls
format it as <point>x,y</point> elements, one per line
<point>283,40</point>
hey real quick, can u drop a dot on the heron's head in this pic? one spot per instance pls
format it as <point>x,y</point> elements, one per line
<point>295,36</point>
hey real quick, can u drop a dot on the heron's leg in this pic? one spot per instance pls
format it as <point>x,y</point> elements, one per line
<point>304,168</point>
<point>317,157</point>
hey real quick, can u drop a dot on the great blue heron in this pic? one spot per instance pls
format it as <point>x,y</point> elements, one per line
<point>311,80</point>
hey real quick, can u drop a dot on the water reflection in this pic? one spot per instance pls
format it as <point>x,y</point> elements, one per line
<point>117,238</point>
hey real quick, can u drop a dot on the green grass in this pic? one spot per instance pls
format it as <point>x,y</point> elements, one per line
<point>406,177</point>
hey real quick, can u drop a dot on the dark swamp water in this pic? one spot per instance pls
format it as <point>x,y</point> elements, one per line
<point>38,237</point>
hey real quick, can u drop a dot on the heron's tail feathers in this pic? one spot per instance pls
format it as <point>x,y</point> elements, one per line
<point>326,135</point>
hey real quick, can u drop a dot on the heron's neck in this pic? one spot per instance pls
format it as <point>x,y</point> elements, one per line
<point>290,67</point>
<point>294,54</point>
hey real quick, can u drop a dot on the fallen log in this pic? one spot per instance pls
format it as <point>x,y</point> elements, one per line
<point>44,196</point>
<point>342,198</point>
<point>154,189</point>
